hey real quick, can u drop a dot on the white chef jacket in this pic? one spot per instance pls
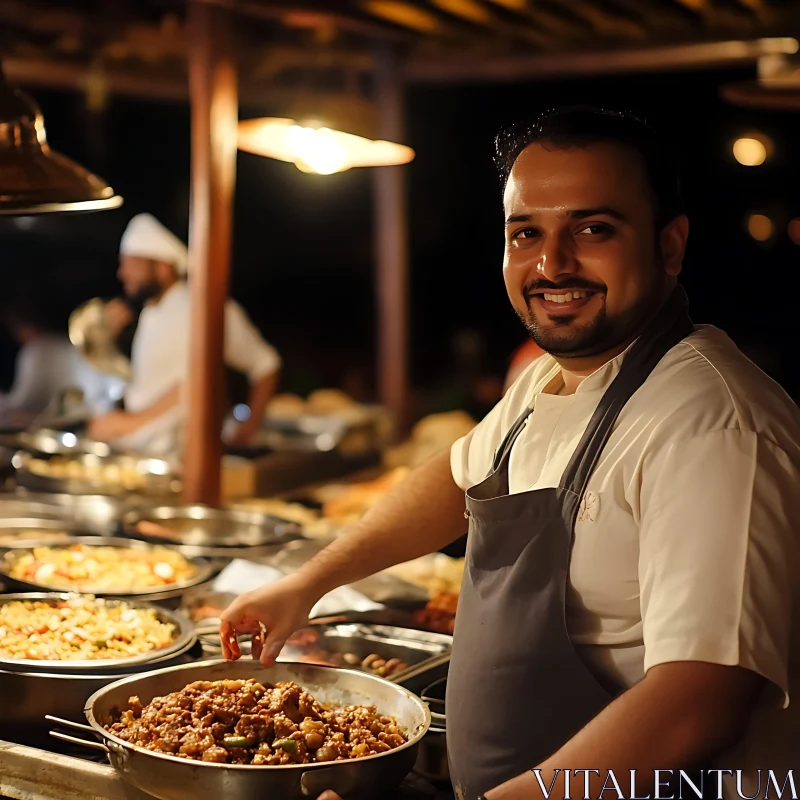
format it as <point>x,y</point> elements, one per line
<point>160,361</point>
<point>47,366</point>
<point>685,545</point>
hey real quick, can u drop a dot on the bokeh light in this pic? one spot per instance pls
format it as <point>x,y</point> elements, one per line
<point>751,150</point>
<point>760,227</point>
<point>793,229</point>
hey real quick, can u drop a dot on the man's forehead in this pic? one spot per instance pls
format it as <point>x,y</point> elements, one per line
<point>577,177</point>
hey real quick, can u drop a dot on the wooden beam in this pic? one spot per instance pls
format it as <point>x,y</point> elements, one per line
<point>391,248</point>
<point>608,62</point>
<point>213,88</point>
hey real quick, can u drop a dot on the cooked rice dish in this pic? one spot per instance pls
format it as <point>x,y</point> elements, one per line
<point>246,722</point>
<point>79,629</point>
<point>99,568</point>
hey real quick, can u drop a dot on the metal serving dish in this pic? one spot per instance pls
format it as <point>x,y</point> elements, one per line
<point>184,640</point>
<point>206,527</point>
<point>64,694</point>
<point>168,777</point>
<point>18,531</point>
<point>158,476</point>
<point>205,569</point>
<point>98,514</point>
<point>48,441</point>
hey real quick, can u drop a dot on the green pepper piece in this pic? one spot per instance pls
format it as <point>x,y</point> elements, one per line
<point>288,745</point>
<point>235,741</point>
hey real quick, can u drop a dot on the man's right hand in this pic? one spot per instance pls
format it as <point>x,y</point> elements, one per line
<point>279,609</point>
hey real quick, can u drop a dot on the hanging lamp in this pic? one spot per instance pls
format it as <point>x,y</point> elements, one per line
<point>33,178</point>
<point>323,135</point>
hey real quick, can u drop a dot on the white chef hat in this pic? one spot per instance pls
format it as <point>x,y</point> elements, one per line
<point>146,237</point>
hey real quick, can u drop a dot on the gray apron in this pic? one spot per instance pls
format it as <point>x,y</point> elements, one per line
<point>516,689</point>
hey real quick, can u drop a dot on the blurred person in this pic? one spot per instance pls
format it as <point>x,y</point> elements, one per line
<point>153,268</point>
<point>630,593</point>
<point>47,365</point>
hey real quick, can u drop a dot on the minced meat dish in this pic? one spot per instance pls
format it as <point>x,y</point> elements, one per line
<point>246,722</point>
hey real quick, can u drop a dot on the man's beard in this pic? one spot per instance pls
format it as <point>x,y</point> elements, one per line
<point>600,335</point>
<point>145,293</point>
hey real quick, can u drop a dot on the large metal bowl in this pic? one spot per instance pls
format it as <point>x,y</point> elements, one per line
<point>159,478</point>
<point>98,514</point>
<point>205,569</point>
<point>205,527</point>
<point>171,778</point>
<point>184,640</point>
<point>48,441</point>
<point>19,531</point>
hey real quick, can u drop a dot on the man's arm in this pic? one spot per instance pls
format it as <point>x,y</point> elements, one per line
<point>117,424</point>
<point>421,515</point>
<point>677,717</point>
<point>261,391</point>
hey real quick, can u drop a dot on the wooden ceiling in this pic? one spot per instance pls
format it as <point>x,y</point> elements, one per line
<point>139,46</point>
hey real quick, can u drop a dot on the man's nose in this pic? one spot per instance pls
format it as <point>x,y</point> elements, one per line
<point>555,259</point>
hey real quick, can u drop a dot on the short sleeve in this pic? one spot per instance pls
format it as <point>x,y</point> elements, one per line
<point>245,349</point>
<point>719,515</point>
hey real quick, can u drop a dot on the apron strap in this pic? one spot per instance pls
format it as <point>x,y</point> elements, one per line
<point>669,327</point>
<point>503,452</point>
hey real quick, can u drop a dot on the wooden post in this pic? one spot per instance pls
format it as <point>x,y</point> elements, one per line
<point>391,247</point>
<point>213,91</point>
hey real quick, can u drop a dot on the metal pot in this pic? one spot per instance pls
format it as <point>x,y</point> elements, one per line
<point>432,762</point>
<point>168,777</point>
<point>64,694</point>
<point>204,570</point>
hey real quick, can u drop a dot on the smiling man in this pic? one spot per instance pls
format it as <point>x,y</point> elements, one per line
<point>627,598</point>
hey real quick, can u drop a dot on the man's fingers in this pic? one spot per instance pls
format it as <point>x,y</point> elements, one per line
<point>257,644</point>
<point>272,647</point>
<point>230,646</point>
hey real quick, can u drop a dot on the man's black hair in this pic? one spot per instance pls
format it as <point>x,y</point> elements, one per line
<point>581,126</point>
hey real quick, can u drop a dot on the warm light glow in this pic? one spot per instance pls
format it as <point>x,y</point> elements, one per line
<point>752,150</point>
<point>794,230</point>
<point>760,227</point>
<point>318,150</point>
<point>466,9</point>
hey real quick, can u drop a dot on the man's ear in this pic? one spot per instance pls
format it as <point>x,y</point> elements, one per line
<point>672,240</point>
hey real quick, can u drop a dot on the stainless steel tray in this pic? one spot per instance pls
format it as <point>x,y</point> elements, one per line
<point>184,640</point>
<point>89,513</point>
<point>205,569</point>
<point>20,531</point>
<point>199,526</point>
<point>159,476</point>
<point>48,441</point>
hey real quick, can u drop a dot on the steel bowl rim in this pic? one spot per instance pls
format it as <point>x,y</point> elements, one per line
<point>283,531</point>
<point>118,743</point>
<point>205,568</point>
<point>184,640</point>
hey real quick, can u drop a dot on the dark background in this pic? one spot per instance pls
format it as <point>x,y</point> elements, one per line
<point>303,258</point>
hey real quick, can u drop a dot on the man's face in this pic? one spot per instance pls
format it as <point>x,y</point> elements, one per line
<point>582,267</point>
<point>139,277</point>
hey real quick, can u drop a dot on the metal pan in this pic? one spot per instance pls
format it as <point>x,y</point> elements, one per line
<point>21,531</point>
<point>168,777</point>
<point>202,526</point>
<point>184,639</point>
<point>158,478</point>
<point>98,514</point>
<point>47,441</point>
<point>204,570</point>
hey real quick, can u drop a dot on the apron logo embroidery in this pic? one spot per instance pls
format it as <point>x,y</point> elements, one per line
<point>590,505</point>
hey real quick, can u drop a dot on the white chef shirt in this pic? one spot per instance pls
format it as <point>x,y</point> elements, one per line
<point>685,546</point>
<point>160,361</point>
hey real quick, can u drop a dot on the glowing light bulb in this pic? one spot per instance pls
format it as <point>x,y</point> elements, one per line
<point>318,149</point>
<point>794,230</point>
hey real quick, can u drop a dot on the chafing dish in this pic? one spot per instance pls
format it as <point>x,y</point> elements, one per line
<point>48,441</point>
<point>15,531</point>
<point>168,777</point>
<point>184,640</point>
<point>199,526</point>
<point>98,514</point>
<point>204,569</point>
<point>90,474</point>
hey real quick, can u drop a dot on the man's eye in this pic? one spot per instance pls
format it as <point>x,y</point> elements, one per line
<point>525,233</point>
<point>596,229</point>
